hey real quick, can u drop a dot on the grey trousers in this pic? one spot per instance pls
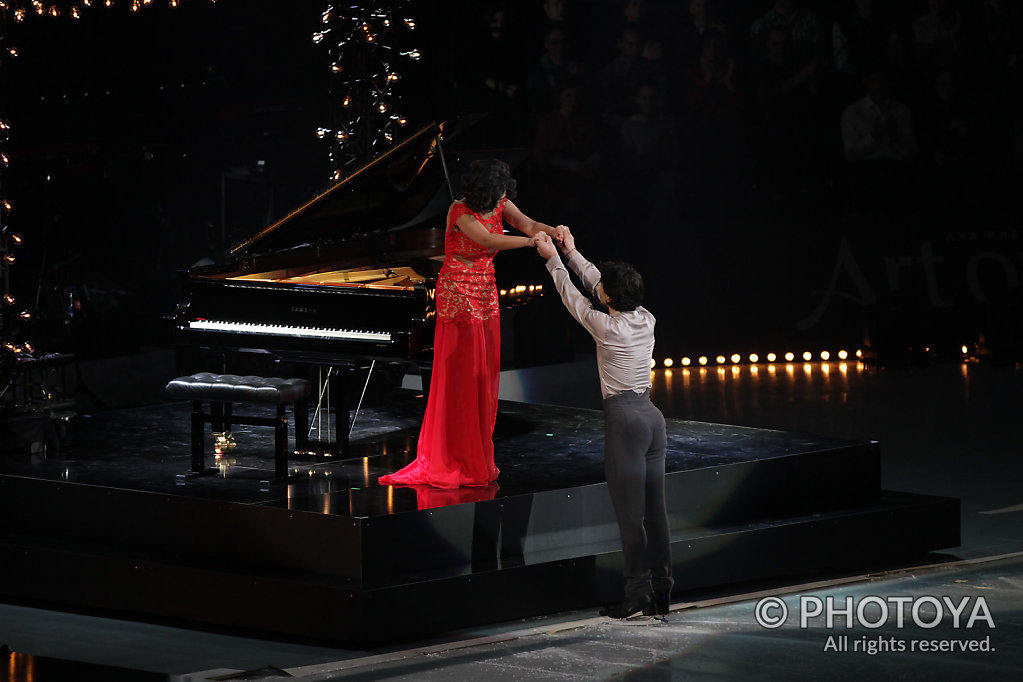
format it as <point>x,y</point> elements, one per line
<point>634,444</point>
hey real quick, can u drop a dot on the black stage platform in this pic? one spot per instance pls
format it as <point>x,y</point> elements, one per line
<point>106,524</point>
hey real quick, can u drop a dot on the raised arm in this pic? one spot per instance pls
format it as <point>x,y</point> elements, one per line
<point>585,270</point>
<point>523,223</point>
<point>594,321</point>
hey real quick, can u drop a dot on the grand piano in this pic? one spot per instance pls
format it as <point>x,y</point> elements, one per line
<point>347,277</point>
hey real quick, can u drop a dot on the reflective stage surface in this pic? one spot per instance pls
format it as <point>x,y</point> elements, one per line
<point>537,447</point>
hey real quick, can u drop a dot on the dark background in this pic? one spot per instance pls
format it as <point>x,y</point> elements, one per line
<point>137,136</point>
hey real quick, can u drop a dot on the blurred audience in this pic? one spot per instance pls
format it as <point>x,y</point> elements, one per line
<point>568,153</point>
<point>860,36</point>
<point>688,96</point>
<point>805,27</point>
<point>557,65</point>
<point>880,143</point>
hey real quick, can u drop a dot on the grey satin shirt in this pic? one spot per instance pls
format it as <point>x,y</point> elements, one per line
<point>625,340</point>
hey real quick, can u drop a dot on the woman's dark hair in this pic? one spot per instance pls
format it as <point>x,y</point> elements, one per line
<point>487,181</point>
<point>622,285</point>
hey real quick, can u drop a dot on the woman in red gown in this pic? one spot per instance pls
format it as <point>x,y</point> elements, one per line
<point>456,446</point>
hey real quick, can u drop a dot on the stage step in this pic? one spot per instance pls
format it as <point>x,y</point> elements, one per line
<point>375,532</point>
<point>333,555</point>
<point>183,589</point>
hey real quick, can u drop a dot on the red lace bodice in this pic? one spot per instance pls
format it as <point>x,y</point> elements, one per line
<point>468,290</point>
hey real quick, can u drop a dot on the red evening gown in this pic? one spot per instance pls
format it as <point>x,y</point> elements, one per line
<point>456,441</point>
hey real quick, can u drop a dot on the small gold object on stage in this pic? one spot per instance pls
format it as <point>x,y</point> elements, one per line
<point>223,441</point>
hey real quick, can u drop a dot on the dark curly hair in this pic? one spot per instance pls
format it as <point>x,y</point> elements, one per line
<point>487,181</point>
<point>622,285</point>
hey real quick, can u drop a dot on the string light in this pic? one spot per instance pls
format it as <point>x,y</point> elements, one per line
<point>20,12</point>
<point>361,46</point>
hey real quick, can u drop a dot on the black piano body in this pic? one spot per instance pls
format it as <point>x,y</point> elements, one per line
<point>343,280</point>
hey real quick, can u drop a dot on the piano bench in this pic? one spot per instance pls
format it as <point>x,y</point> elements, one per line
<point>222,390</point>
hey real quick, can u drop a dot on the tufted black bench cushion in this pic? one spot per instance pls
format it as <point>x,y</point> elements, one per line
<point>233,388</point>
<point>222,390</point>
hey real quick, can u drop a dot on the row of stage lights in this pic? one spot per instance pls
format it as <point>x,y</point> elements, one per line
<point>968,353</point>
<point>752,358</point>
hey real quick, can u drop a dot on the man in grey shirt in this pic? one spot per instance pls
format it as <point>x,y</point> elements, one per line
<point>634,432</point>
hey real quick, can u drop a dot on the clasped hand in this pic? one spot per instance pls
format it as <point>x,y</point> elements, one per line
<point>547,246</point>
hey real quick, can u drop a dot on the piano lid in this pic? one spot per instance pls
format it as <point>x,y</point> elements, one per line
<point>402,187</point>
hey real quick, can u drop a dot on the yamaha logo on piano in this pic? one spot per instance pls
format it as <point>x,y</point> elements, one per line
<point>302,309</point>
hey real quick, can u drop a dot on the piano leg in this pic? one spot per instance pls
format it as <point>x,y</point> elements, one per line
<point>301,425</point>
<point>281,443</point>
<point>342,419</point>
<point>198,428</point>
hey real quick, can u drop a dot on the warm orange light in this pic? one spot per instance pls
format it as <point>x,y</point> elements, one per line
<point>668,362</point>
<point>702,360</point>
<point>736,358</point>
<point>754,358</point>
<point>686,362</point>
